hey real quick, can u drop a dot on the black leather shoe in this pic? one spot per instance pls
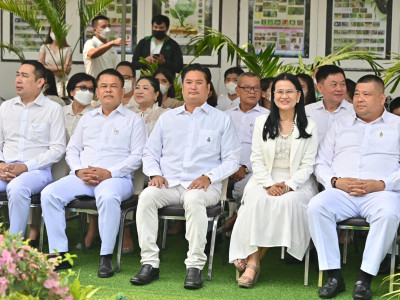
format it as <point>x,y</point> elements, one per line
<point>331,288</point>
<point>105,267</point>
<point>362,290</point>
<point>194,279</point>
<point>146,275</point>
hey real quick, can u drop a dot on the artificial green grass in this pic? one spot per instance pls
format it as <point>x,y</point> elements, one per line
<point>278,279</point>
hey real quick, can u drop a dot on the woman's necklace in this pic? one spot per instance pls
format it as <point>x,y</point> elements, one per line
<point>286,136</point>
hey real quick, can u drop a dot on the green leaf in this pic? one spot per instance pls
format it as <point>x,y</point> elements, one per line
<point>174,14</point>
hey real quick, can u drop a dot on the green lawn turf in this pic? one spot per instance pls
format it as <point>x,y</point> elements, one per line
<point>278,279</point>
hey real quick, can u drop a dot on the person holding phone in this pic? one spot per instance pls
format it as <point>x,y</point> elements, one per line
<point>159,48</point>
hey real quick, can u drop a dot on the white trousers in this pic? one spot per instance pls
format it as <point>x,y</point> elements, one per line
<point>194,202</point>
<point>381,210</point>
<point>19,192</point>
<point>109,194</point>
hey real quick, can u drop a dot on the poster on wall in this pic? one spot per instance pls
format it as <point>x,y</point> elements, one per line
<point>114,13</point>
<point>366,23</point>
<point>187,18</point>
<point>282,23</point>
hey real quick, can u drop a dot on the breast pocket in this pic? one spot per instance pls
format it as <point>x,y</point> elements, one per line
<point>121,138</point>
<point>208,140</point>
<point>37,132</point>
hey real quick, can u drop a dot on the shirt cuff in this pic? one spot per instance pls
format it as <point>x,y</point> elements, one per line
<point>388,184</point>
<point>114,172</point>
<point>31,165</point>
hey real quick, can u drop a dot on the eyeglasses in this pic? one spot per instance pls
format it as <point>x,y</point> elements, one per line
<point>84,88</point>
<point>127,77</point>
<point>248,89</point>
<point>289,93</point>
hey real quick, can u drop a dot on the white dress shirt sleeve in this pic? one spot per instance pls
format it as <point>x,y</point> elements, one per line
<point>134,160</point>
<point>230,153</point>
<point>56,143</point>
<point>306,167</point>
<point>323,165</point>
<point>152,151</point>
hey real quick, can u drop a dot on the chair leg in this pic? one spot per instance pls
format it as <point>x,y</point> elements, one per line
<point>345,246</point>
<point>320,277</point>
<point>82,225</point>
<point>282,252</point>
<point>120,240</point>
<point>392,263</point>
<point>212,247</point>
<point>164,234</point>
<point>41,234</point>
<point>307,264</point>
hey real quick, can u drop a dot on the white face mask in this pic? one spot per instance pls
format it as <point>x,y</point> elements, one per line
<point>231,88</point>
<point>164,89</point>
<point>105,33</point>
<point>53,37</point>
<point>128,86</point>
<point>83,97</point>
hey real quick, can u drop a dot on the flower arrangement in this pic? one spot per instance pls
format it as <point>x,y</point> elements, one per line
<point>26,273</point>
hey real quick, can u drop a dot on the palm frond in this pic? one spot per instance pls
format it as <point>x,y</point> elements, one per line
<point>88,11</point>
<point>11,48</point>
<point>392,74</point>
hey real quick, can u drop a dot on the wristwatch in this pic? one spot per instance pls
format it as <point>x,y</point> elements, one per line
<point>246,169</point>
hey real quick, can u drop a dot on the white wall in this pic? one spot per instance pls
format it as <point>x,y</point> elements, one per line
<point>229,25</point>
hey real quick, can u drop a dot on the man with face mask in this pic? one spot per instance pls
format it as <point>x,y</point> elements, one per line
<point>231,99</point>
<point>80,90</point>
<point>98,52</point>
<point>128,72</point>
<point>159,48</point>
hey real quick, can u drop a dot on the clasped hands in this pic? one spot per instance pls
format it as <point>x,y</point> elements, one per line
<point>93,175</point>
<point>359,187</point>
<point>199,183</point>
<point>278,189</point>
<point>9,171</point>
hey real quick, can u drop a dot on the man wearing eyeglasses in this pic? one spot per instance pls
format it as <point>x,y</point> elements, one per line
<point>128,72</point>
<point>331,83</point>
<point>243,116</point>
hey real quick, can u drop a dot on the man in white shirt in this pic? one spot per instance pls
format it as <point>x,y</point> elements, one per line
<point>99,53</point>
<point>104,150</point>
<point>32,139</point>
<point>331,83</point>
<point>243,116</point>
<point>128,72</point>
<point>190,174</point>
<point>231,99</point>
<point>358,163</point>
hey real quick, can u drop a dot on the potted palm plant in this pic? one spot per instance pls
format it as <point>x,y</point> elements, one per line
<point>54,12</point>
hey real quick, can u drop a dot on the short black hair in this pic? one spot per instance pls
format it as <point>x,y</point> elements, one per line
<point>111,72</point>
<point>170,77</point>
<point>39,69</point>
<point>75,79</point>
<point>373,78</point>
<point>155,84</point>
<point>233,70</point>
<point>97,18</point>
<point>325,71</point>
<point>266,82</point>
<point>247,74</point>
<point>350,87</point>
<point>127,64</point>
<point>159,19</point>
<point>394,104</point>
<point>196,67</point>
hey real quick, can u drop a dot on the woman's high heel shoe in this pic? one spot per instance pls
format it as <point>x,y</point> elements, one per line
<point>250,282</point>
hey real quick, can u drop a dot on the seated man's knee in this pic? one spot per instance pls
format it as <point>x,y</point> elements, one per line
<point>194,200</point>
<point>315,205</point>
<point>148,196</point>
<point>16,190</point>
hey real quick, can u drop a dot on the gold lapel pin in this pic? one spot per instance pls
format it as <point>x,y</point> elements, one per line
<point>381,134</point>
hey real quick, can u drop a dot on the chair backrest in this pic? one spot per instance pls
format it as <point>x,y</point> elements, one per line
<point>224,189</point>
<point>138,181</point>
<point>60,169</point>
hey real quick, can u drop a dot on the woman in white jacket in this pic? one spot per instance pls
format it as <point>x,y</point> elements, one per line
<point>273,211</point>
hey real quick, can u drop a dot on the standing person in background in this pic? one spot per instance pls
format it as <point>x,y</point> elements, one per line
<point>307,85</point>
<point>167,88</point>
<point>50,88</point>
<point>231,99</point>
<point>266,84</point>
<point>394,106</point>
<point>50,57</point>
<point>99,53</point>
<point>159,48</point>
